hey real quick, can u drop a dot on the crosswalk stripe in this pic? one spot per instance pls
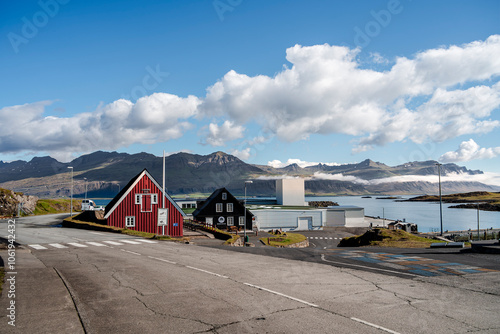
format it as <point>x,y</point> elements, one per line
<point>58,246</point>
<point>130,242</point>
<point>148,241</point>
<point>114,243</point>
<point>76,244</point>
<point>37,247</point>
<point>95,244</point>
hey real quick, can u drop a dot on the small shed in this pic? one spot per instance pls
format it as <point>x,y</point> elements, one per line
<point>224,211</point>
<point>139,205</point>
<point>346,215</point>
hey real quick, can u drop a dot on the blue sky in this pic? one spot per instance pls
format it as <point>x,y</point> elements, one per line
<point>317,81</point>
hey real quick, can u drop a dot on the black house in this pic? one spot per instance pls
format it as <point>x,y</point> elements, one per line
<point>223,211</point>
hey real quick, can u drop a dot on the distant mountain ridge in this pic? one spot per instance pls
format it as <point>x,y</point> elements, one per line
<point>104,173</point>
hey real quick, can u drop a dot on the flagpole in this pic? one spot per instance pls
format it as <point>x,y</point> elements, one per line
<point>163,190</point>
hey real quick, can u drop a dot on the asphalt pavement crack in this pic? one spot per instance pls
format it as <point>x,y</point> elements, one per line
<point>120,283</point>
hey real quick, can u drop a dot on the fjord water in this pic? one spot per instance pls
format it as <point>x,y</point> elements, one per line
<point>425,214</point>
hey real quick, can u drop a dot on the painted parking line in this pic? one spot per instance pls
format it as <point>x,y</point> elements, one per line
<point>281,294</point>
<point>58,246</point>
<point>98,233</point>
<point>76,244</point>
<point>375,326</point>
<point>37,246</point>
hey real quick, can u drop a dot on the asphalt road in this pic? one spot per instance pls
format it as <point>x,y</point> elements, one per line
<point>93,286</point>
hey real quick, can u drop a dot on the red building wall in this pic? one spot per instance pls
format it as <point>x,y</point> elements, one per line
<point>146,221</point>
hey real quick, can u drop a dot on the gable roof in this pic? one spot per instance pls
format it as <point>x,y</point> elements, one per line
<point>115,202</point>
<point>213,196</point>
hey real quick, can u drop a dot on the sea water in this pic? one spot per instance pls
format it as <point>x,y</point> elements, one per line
<point>424,214</point>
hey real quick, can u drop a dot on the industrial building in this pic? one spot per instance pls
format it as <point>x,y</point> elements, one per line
<point>290,191</point>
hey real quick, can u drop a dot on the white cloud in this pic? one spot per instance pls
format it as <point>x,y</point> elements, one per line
<point>243,154</point>
<point>219,135</point>
<point>301,163</point>
<point>326,91</point>
<point>155,118</point>
<point>277,177</point>
<point>435,95</point>
<point>470,150</point>
<point>486,178</point>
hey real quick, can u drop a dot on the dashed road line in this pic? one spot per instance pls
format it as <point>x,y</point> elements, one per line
<point>282,295</point>
<point>147,241</point>
<point>97,233</point>
<point>375,326</point>
<point>207,272</point>
<point>127,251</point>
<point>163,260</point>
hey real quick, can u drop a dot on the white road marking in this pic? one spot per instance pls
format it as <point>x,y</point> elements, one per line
<point>76,244</point>
<point>130,242</point>
<point>95,244</point>
<point>58,246</point>
<point>366,267</point>
<point>113,243</point>
<point>207,272</point>
<point>98,233</point>
<point>163,260</point>
<point>281,294</point>
<point>375,326</point>
<point>148,241</point>
<point>131,252</point>
<point>37,247</point>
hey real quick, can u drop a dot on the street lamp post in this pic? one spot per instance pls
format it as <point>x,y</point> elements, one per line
<point>85,187</point>
<point>71,204</point>
<point>245,208</point>
<point>440,198</point>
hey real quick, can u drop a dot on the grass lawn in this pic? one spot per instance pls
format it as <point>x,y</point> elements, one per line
<point>285,239</point>
<point>387,238</point>
<point>49,206</point>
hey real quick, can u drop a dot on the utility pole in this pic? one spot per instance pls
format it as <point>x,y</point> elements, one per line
<point>245,215</point>
<point>71,204</point>
<point>440,198</point>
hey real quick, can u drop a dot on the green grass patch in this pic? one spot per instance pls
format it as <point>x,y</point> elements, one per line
<point>189,210</point>
<point>387,238</point>
<point>284,239</point>
<point>51,206</point>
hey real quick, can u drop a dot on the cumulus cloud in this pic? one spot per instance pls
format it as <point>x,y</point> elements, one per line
<point>327,91</point>
<point>432,96</point>
<point>301,163</point>
<point>243,154</point>
<point>470,150</point>
<point>155,118</point>
<point>219,135</point>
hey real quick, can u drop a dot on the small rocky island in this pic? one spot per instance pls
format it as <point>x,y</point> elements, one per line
<point>487,201</point>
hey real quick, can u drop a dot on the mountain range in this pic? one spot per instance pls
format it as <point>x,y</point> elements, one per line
<point>102,174</point>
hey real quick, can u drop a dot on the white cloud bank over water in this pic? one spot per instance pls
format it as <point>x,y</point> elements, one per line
<point>325,91</point>
<point>486,178</point>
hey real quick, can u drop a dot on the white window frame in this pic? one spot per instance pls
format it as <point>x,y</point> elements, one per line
<point>138,199</point>
<point>129,221</point>
<point>229,207</point>
<point>219,207</point>
<point>154,198</point>
<point>241,220</point>
<point>230,221</point>
<point>224,196</point>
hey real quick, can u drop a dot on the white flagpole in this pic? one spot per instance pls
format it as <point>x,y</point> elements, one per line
<point>163,190</point>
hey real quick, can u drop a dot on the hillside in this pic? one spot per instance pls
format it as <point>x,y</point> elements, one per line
<point>104,173</point>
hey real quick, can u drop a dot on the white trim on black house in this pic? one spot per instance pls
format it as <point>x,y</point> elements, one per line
<point>223,210</point>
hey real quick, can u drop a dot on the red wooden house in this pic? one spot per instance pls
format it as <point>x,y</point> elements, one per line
<point>137,206</point>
